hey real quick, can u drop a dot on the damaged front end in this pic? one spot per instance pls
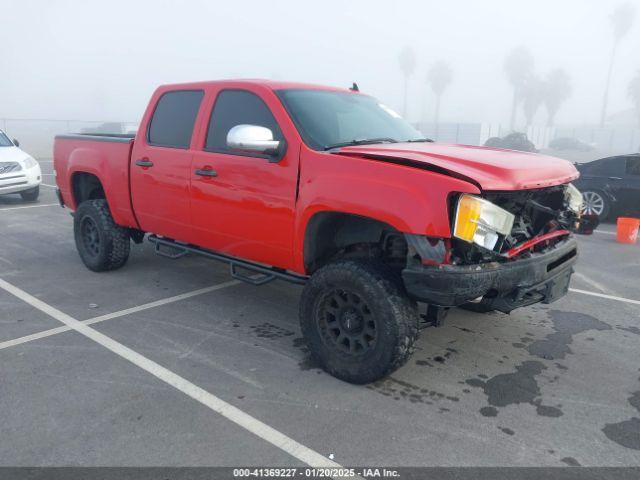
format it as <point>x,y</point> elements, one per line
<point>509,249</point>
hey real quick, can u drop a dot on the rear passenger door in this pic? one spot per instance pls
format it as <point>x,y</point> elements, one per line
<point>161,165</point>
<point>247,209</point>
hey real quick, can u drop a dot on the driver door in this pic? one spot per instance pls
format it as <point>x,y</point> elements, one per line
<point>243,204</point>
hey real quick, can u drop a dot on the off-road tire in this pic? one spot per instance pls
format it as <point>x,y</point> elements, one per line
<point>384,302</point>
<point>101,243</point>
<point>31,195</point>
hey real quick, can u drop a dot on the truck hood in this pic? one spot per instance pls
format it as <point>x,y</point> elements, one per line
<point>488,168</point>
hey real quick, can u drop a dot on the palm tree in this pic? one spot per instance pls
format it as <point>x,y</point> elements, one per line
<point>519,67</point>
<point>621,21</point>
<point>407,61</point>
<point>634,93</point>
<point>532,97</point>
<point>557,90</point>
<point>439,77</point>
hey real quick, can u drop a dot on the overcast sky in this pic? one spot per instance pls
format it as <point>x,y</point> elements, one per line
<point>101,59</point>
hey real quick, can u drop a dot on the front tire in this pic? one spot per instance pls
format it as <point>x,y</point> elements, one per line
<point>31,195</point>
<point>358,322</point>
<point>102,244</point>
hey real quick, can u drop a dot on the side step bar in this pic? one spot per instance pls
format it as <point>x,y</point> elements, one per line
<point>267,274</point>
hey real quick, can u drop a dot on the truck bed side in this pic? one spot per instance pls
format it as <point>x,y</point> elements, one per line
<point>105,157</point>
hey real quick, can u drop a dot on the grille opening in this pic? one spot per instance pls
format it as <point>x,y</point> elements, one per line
<point>8,167</point>
<point>566,257</point>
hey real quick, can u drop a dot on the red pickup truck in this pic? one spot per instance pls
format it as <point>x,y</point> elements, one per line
<point>332,189</point>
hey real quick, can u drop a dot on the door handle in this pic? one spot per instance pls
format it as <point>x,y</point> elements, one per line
<point>206,172</point>
<point>144,162</point>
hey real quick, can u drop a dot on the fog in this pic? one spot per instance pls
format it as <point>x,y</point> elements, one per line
<point>102,59</point>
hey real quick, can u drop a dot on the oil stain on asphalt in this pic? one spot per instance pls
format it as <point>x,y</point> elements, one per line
<point>514,388</point>
<point>627,432</point>
<point>269,330</point>
<point>634,330</point>
<point>521,386</point>
<point>401,390</point>
<point>566,325</point>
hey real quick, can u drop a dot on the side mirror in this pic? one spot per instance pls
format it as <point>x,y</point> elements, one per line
<point>253,139</point>
<point>16,142</point>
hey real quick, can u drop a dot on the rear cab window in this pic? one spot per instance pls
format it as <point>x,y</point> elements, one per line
<point>174,118</point>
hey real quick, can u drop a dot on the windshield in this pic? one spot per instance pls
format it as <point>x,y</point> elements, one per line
<point>327,119</point>
<point>4,140</point>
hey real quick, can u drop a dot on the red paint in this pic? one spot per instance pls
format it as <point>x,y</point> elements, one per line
<point>536,241</point>
<point>259,211</point>
<point>107,161</point>
<point>492,168</point>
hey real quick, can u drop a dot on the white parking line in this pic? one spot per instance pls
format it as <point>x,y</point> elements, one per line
<point>606,232</point>
<point>603,295</point>
<point>592,282</point>
<point>120,313</point>
<point>30,206</point>
<point>234,414</point>
<point>46,185</point>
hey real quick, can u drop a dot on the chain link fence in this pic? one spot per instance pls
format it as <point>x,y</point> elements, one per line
<point>614,139</point>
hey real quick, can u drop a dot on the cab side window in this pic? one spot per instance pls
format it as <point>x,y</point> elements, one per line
<point>633,166</point>
<point>173,119</point>
<point>237,107</point>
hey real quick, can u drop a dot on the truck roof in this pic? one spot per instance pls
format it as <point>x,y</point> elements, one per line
<point>260,82</point>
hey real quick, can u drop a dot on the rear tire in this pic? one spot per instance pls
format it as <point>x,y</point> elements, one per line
<point>102,244</point>
<point>596,203</point>
<point>358,322</point>
<point>31,195</point>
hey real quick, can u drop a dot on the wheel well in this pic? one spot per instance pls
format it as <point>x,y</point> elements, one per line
<point>333,235</point>
<point>86,186</point>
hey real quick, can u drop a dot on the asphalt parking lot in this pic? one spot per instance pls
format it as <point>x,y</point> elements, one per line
<point>144,366</point>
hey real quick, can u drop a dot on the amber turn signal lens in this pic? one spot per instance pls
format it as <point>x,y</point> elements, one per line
<point>481,222</point>
<point>467,217</point>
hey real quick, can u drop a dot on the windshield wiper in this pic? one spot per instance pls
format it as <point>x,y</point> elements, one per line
<point>367,141</point>
<point>420,140</point>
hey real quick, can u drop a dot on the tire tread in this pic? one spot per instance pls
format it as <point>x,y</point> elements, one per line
<point>384,284</point>
<point>116,238</point>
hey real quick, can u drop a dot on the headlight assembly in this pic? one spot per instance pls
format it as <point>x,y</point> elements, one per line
<point>30,162</point>
<point>481,222</point>
<point>573,198</point>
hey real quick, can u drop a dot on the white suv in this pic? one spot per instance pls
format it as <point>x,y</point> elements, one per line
<point>19,172</point>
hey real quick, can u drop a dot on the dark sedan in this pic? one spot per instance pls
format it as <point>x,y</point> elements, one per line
<point>611,186</point>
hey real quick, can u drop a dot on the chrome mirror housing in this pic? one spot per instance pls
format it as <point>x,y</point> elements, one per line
<point>252,139</point>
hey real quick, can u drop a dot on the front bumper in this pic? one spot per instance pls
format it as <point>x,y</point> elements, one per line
<point>544,277</point>
<point>21,180</point>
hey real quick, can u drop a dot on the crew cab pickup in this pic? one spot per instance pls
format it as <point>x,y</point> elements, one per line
<point>332,189</point>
